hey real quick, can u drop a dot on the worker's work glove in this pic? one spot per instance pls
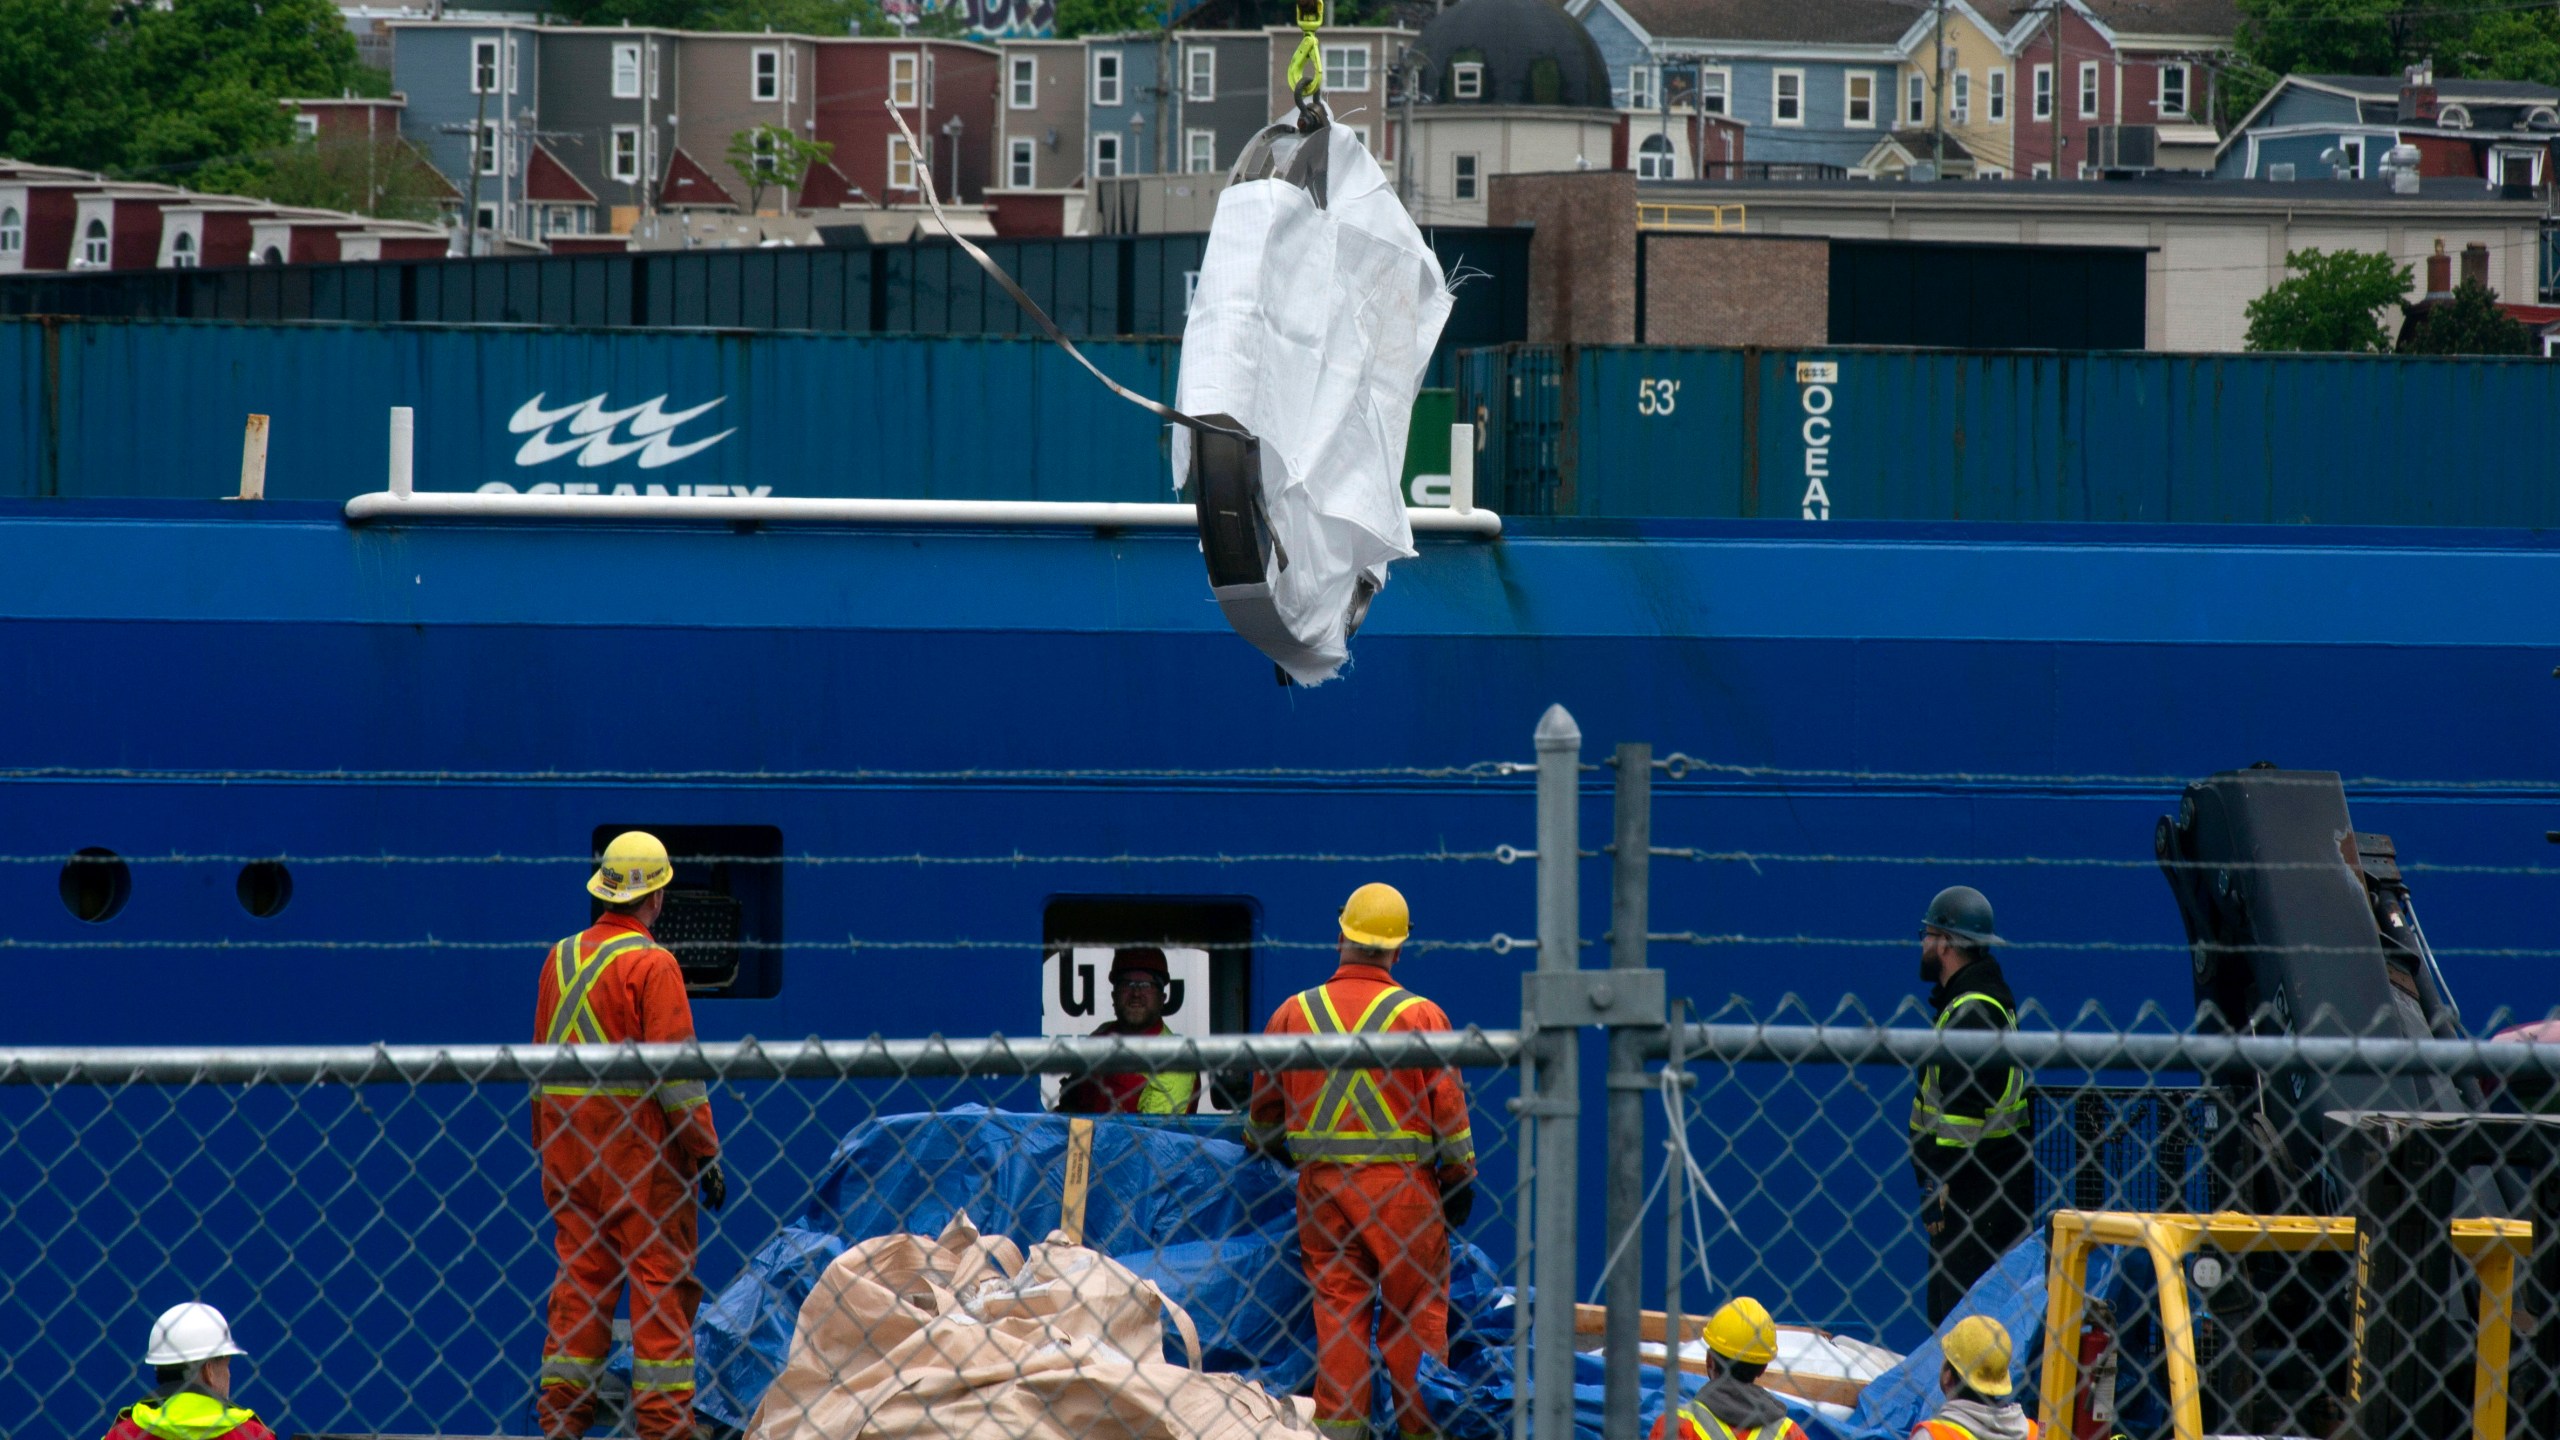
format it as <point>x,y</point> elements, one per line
<point>715,1187</point>
<point>1457,1203</point>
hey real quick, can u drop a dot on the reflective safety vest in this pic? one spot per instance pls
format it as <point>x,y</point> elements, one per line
<point>2008,1113</point>
<point>574,1022</point>
<point>1351,1122</point>
<point>1945,1429</point>
<point>188,1415</point>
<point>1697,1421</point>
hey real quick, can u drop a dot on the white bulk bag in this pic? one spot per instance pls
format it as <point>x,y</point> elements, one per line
<point>1314,317</point>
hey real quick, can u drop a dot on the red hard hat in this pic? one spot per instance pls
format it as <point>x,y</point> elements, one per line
<point>1145,959</point>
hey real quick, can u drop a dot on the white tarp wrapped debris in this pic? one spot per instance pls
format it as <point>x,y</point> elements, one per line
<point>967,1338</point>
<point>1311,325</point>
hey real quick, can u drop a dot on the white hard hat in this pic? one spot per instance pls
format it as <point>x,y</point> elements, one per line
<point>190,1334</point>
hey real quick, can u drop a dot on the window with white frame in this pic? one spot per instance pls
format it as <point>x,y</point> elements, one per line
<point>13,230</point>
<point>2088,89</point>
<point>1018,165</point>
<point>1346,67</point>
<point>484,67</point>
<point>1715,91</point>
<point>1199,151</point>
<point>902,164</point>
<point>93,243</point>
<point>2352,148</point>
<point>1960,98</point>
<point>651,66</point>
<point>1990,172</point>
<point>1654,158</point>
<point>1466,81</point>
<point>2041,106</point>
<point>1858,104</point>
<point>928,87</point>
<point>1106,155</point>
<point>624,162</point>
<point>1463,177</point>
<point>2039,172</point>
<point>626,72</point>
<point>488,225</point>
<point>306,127</point>
<point>1786,97</point>
<point>1106,77</point>
<point>1915,100</point>
<point>484,147</point>
<point>2173,90</point>
<point>1199,73</point>
<point>765,68</point>
<point>512,86</point>
<point>1995,97</point>
<point>1023,88</point>
<point>760,155</point>
<point>904,86</point>
<point>182,252</point>
<point>1641,92</point>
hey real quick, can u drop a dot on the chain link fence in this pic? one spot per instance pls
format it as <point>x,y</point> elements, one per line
<point>374,1224</point>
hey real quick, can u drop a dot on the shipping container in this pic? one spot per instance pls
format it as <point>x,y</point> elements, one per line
<point>155,408</point>
<point>1095,287</point>
<point>1869,434</point>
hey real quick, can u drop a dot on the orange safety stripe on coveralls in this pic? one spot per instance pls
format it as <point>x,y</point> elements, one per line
<point>1375,1150</point>
<point>618,1168</point>
<point>1942,1429</point>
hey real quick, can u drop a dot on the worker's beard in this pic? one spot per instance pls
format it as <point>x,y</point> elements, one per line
<point>1928,969</point>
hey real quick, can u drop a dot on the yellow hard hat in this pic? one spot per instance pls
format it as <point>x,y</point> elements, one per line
<point>1743,1331</point>
<point>1978,1351</point>
<point>1375,916</point>
<point>634,864</point>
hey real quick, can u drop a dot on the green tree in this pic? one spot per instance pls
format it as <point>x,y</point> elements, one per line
<point>1108,17</point>
<point>770,157</point>
<point>63,98</point>
<point>378,175</point>
<point>798,17</point>
<point>2468,324</point>
<point>2331,303</point>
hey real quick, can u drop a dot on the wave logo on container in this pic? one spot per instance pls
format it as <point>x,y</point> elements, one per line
<point>1817,377</point>
<point>587,430</point>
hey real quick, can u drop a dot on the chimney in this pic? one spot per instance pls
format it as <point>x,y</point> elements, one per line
<point>2475,264</point>
<point>2439,274</point>
<point>2418,94</point>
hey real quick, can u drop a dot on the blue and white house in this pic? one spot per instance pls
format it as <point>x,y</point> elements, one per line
<point>1815,81</point>
<point>471,111</point>
<point>2499,131</point>
<point>1127,107</point>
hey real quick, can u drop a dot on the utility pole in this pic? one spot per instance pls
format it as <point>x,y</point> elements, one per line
<point>1408,72</point>
<point>1164,91</point>
<point>478,126</point>
<point>1938,107</point>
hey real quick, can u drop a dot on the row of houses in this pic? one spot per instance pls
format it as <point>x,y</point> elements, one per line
<point>53,218</point>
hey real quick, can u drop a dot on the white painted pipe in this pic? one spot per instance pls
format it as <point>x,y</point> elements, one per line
<point>1462,469</point>
<point>813,510</point>
<point>404,429</point>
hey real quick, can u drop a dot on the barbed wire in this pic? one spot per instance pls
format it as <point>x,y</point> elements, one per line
<point>1709,938</point>
<point>1500,854</point>
<point>1679,765</point>
<point>1498,943</point>
<point>1475,770</point>
<point>1756,858</point>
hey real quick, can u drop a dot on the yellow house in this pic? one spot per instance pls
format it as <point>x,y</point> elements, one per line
<point>1980,96</point>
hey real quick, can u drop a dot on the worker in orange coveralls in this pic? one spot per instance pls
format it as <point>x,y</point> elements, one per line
<point>620,1161</point>
<point>1386,1163</point>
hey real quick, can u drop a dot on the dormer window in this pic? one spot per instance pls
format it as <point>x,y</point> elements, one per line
<point>2542,117</point>
<point>2454,117</point>
<point>1466,80</point>
<point>93,244</point>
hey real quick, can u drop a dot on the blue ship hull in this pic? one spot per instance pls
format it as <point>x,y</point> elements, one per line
<point>243,681</point>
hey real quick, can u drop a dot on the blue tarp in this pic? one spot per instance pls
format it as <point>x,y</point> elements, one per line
<point>1215,1228</point>
<point>1182,1204</point>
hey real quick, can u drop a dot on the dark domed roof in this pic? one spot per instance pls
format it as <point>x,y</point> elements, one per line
<point>1532,53</point>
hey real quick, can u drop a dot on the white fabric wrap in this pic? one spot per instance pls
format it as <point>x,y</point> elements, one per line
<point>1313,327</point>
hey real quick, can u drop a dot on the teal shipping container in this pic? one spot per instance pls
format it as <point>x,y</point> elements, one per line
<point>1866,434</point>
<point>156,409</point>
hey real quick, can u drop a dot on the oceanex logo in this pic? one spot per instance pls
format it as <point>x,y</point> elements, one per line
<point>599,436</point>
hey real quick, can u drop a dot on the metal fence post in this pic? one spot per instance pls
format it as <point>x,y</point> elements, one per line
<point>1630,879</point>
<point>1559,1062</point>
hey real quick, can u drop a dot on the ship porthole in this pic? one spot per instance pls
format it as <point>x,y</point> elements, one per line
<point>95,884</point>
<point>265,888</point>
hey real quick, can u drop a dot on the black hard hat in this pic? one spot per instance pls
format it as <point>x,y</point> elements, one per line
<point>1961,911</point>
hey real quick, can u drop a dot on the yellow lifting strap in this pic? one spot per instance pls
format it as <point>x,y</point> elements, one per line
<point>1306,68</point>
